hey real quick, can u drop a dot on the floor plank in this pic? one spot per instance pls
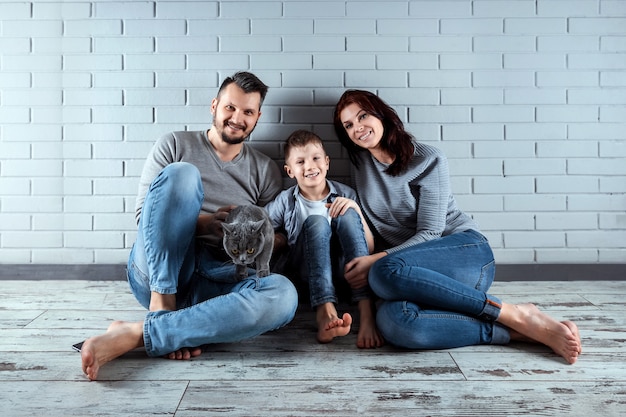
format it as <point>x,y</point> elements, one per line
<point>286,373</point>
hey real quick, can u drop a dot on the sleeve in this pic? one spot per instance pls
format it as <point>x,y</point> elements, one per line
<point>431,190</point>
<point>272,184</point>
<point>276,212</point>
<point>162,154</point>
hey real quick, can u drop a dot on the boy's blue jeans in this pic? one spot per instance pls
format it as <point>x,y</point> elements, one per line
<point>312,254</point>
<point>212,305</point>
<point>435,294</point>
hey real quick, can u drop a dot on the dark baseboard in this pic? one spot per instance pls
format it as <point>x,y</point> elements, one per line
<point>504,272</point>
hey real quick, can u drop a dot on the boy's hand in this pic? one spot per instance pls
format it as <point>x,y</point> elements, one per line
<point>340,205</point>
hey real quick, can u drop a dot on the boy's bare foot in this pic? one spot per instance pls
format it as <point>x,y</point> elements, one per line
<point>121,337</point>
<point>368,336</point>
<point>185,353</point>
<point>329,325</point>
<point>526,319</point>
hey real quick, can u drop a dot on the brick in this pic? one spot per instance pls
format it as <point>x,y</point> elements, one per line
<point>612,255</point>
<point>613,149</point>
<point>59,221</point>
<point>612,221</point>
<point>94,204</point>
<point>413,26</point>
<point>124,45</point>
<point>61,150</point>
<point>535,202</point>
<point>14,221</point>
<point>475,167</point>
<point>91,133</point>
<point>113,222</point>
<point>97,239</point>
<point>92,27</point>
<point>124,9</point>
<point>387,9</point>
<point>596,96</point>
<point>342,61</point>
<point>534,166</point>
<point>567,8</point>
<point>223,27</point>
<point>505,221</point>
<point>380,43</point>
<point>439,114</point>
<point>439,78</point>
<point>38,132</point>
<point>440,44</point>
<point>567,221</point>
<point>570,256</point>
<point>613,43</point>
<point>14,186</point>
<point>106,62</point>
<point>405,96</point>
<point>534,239</point>
<point>156,27</point>
<point>534,61</point>
<point>504,43</point>
<point>569,184</point>
<point>15,80</point>
<point>121,151</point>
<point>63,256</point>
<point>31,63</point>
<point>511,113</point>
<point>166,44</point>
<point>503,78</point>
<point>535,131</point>
<point>173,114</point>
<point>93,168</point>
<point>256,9</point>
<point>14,10</point>
<point>601,166</point>
<point>32,28</point>
<point>597,239</point>
<point>408,61</point>
<point>567,113</point>
<point>612,79</point>
<point>599,131</point>
<point>93,97</point>
<point>61,10</point>
<point>155,97</point>
<point>218,61</point>
<point>567,149</point>
<point>308,43</point>
<point>470,61</point>
<point>183,10</point>
<point>20,239</point>
<point>314,9</point>
<point>598,26</point>
<point>501,185</point>
<point>313,79</point>
<point>535,26</point>
<point>14,150</point>
<point>61,186</point>
<point>438,9</point>
<point>35,204</point>
<point>503,149</point>
<point>282,27</point>
<point>66,80</point>
<point>17,46</point>
<point>597,202</point>
<point>569,43</point>
<point>475,26</point>
<point>31,98</point>
<point>480,203</point>
<point>535,96</point>
<point>612,185</point>
<point>567,78</point>
<point>127,114</point>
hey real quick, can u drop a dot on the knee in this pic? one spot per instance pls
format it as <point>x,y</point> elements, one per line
<point>399,326</point>
<point>316,227</point>
<point>380,275</point>
<point>182,178</point>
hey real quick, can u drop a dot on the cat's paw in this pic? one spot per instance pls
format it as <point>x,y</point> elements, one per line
<point>262,273</point>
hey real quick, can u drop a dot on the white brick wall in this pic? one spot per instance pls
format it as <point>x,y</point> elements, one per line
<point>527,98</point>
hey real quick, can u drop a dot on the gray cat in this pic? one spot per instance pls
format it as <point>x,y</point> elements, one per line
<point>249,239</point>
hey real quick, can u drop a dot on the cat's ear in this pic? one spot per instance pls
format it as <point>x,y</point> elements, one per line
<point>257,226</point>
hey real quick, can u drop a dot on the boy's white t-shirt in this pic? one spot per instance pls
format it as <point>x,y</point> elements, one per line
<point>308,208</point>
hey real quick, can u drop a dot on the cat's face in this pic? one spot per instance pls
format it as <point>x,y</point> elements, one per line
<point>243,241</point>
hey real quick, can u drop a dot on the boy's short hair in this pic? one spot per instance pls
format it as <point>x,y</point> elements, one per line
<point>301,138</point>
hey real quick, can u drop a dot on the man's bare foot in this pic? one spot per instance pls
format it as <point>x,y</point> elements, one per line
<point>121,337</point>
<point>526,319</point>
<point>329,325</point>
<point>368,336</point>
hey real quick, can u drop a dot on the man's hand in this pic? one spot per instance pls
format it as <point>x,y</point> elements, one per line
<point>211,224</point>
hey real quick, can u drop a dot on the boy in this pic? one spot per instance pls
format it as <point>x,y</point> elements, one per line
<point>312,213</point>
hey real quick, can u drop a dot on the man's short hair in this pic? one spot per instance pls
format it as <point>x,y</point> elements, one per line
<point>247,81</point>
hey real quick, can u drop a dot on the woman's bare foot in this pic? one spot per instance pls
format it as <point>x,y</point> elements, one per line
<point>368,336</point>
<point>329,325</point>
<point>121,337</point>
<point>527,320</point>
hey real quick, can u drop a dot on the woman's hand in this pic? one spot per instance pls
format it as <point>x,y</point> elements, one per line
<point>357,270</point>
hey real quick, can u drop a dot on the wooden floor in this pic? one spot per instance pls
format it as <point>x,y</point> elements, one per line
<point>286,373</point>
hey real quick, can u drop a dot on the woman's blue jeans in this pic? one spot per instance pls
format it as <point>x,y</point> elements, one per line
<point>213,306</point>
<point>317,256</point>
<point>435,294</point>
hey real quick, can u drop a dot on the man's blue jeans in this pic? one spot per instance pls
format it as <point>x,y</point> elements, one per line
<point>316,263</point>
<point>212,305</point>
<point>435,294</point>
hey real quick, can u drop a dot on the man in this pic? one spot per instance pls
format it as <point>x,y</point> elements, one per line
<point>176,269</point>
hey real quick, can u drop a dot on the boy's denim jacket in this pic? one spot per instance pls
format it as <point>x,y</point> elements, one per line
<point>285,217</point>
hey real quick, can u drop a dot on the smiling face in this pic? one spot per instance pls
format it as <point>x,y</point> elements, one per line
<point>309,165</point>
<point>235,114</point>
<point>363,129</point>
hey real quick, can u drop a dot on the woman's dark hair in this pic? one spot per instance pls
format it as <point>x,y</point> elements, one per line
<point>247,81</point>
<point>395,140</point>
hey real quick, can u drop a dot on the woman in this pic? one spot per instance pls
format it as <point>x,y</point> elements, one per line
<point>432,268</point>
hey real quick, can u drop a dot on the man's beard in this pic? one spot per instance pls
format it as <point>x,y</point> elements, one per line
<point>233,140</point>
